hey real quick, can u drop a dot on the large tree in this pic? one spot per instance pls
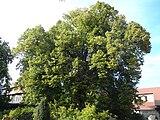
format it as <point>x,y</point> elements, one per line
<point>91,56</point>
<point>5,58</point>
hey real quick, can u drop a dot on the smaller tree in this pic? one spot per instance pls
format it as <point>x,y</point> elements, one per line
<point>21,113</point>
<point>5,59</point>
<point>43,111</point>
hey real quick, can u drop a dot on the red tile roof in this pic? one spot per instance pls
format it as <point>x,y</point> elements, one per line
<point>156,94</point>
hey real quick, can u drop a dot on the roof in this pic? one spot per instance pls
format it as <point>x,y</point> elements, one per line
<point>16,90</point>
<point>156,94</point>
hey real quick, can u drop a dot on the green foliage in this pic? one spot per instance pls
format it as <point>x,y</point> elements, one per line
<point>35,46</point>
<point>136,116</point>
<point>4,114</point>
<point>92,56</point>
<point>21,113</point>
<point>43,112</point>
<point>5,58</point>
<point>87,113</point>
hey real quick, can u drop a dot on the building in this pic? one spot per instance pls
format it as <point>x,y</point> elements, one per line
<point>151,102</point>
<point>16,95</point>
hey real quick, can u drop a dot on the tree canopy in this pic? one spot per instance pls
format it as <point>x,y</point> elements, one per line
<point>5,58</point>
<point>91,56</point>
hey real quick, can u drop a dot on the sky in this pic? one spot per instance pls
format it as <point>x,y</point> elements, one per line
<point>18,15</point>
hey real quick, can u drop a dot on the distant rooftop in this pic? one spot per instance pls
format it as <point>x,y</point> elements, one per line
<point>152,96</point>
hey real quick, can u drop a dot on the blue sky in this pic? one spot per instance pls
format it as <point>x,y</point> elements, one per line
<point>18,15</point>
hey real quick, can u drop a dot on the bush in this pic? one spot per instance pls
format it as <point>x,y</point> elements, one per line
<point>136,116</point>
<point>43,112</point>
<point>88,113</point>
<point>21,113</point>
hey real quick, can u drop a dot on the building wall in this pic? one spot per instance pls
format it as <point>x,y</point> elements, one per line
<point>151,98</point>
<point>16,98</point>
<point>147,113</point>
<point>16,95</point>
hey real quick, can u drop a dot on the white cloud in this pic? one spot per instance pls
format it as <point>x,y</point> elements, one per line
<point>18,15</point>
<point>150,72</point>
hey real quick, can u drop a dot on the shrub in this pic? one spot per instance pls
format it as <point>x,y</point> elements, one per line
<point>43,112</point>
<point>88,113</point>
<point>136,116</point>
<point>21,113</point>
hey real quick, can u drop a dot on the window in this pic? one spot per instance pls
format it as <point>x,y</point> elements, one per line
<point>147,97</point>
